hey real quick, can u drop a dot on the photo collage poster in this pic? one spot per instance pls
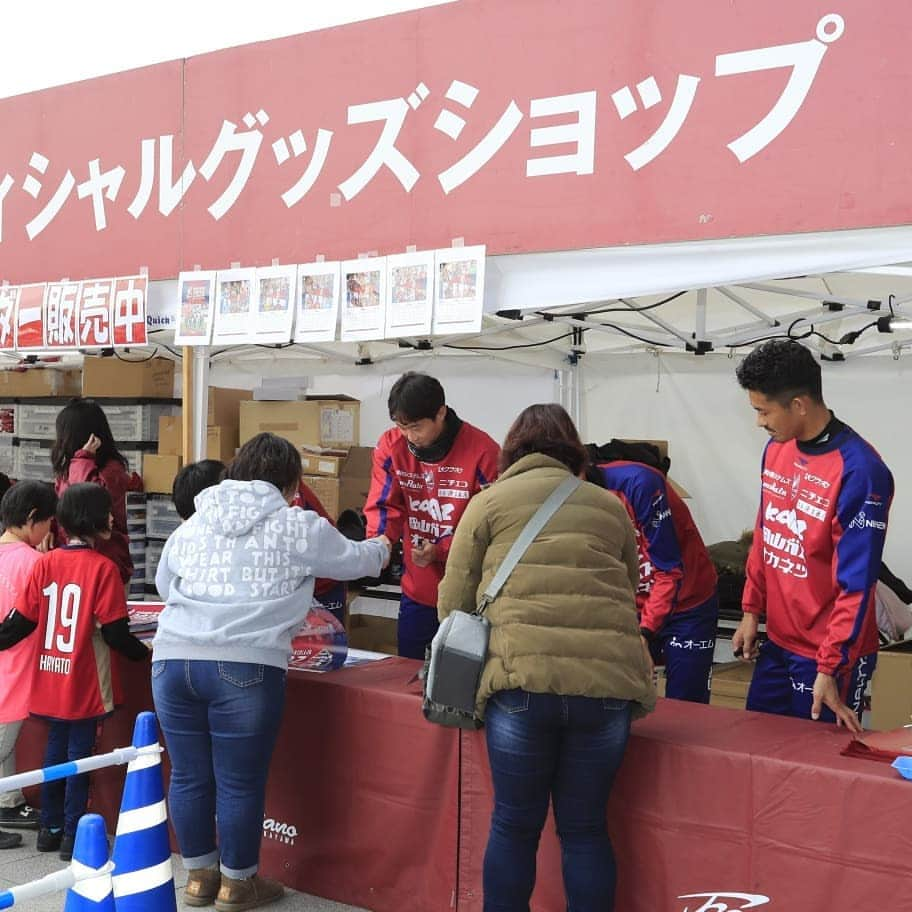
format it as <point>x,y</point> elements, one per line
<point>274,303</point>
<point>459,290</point>
<point>408,295</point>
<point>235,290</point>
<point>364,299</point>
<point>410,284</point>
<point>196,304</point>
<point>317,302</point>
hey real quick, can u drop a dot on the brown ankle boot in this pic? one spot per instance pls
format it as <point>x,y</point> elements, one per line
<point>202,886</point>
<point>249,893</point>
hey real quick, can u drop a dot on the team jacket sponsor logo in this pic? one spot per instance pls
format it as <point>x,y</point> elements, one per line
<point>411,481</point>
<point>717,901</point>
<point>442,470</point>
<point>769,473</point>
<point>862,521</point>
<point>659,518</point>
<point>787,518</point>
<point>814,498</point>
<point>453,488</point>
<point>810,510</point>
<point>817,480</point>
<point>780,542</point>
<point>440,521</point>
<point>773,488</point>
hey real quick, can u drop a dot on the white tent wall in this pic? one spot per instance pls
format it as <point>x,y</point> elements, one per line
<point>715,446</point>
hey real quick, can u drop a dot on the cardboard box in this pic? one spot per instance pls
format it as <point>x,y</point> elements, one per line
<point>109,377</point>
<point>891,689</point>
<point>662,447</point>
<point>159,471</point>
<point>224,407</point>
<point>221,443</point>
<point>377,634</point>
<point>170,435</point>
<point>38,382</point>
<point>328,421</point>
<point>329,462</point>
<point>730,682</point>
<point>347,490</point>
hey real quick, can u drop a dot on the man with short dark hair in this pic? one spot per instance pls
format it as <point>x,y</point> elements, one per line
<point>424,473</point>
<point>190,480</point>
<point>815,558</point>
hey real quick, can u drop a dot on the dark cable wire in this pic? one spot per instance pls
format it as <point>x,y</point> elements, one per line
<point>136,360</point>
<point>605,310</point>
<point>507,347</point>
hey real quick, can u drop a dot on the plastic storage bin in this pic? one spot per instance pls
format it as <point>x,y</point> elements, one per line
<point>135,422</point>
<point>161,517</point>
<point>34,461</point>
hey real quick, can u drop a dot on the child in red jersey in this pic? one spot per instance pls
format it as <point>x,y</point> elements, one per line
<point>75,599</point>
<point>85,451</point>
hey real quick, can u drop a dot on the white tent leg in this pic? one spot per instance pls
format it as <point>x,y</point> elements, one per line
<point>200,406</point>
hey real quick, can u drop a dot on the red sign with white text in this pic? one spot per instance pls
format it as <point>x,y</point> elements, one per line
<point>9,295</point>
<point>69,316</point>
<point>30,317</point>
<point>60,315</point>
<point>128,311</point>
<point>525,125</point>
<point>95,330</point>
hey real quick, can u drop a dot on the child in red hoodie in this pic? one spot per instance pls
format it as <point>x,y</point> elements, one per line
<point>85,451</point>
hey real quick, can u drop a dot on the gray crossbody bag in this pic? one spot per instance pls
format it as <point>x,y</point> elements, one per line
<point>457,654</point>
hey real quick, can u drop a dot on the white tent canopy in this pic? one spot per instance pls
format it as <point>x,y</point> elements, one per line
<point>729,294</point>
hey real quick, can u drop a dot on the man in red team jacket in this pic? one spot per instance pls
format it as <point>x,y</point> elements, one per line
<point>425,471</point>
<point>824,501</point>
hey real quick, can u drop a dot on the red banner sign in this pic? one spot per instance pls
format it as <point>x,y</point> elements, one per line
<point>524,125</point>
<point>71,316</point>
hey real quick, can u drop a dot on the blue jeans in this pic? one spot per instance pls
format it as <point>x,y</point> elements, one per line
<point>686,645</point>
<point>566,749</point>
<point>783,684</point>
<point>220,721</point>
<point>416,628</point>
<point>64,801</point>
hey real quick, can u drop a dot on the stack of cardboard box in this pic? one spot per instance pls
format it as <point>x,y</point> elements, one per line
<point>325,429</point>
<point>107,378</point>
<point>223,429</point>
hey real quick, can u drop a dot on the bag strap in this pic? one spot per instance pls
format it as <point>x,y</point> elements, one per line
<point>526,537</point>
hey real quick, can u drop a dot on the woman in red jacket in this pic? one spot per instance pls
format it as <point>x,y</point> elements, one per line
<point>85,451</point>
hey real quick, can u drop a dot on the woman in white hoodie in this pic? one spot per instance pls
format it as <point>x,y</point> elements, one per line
<point>237,580</point>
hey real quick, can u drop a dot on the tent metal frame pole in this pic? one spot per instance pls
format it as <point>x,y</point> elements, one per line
<point>199,409</point>
<point>657,320</point>
<point>813,316</point>
<point>807,295</point>
<point>700,323</point>
<point>746,305</point>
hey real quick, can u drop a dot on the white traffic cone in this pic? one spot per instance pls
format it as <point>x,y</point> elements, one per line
<point>143,880</point>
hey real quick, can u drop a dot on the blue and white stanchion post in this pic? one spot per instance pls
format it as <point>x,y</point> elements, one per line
<point>142,853</point>
<point>93,892</point>
<point>87,877</point>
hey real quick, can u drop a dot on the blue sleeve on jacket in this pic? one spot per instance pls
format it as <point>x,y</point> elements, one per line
<point>644,489</point>
<point>862,507</point>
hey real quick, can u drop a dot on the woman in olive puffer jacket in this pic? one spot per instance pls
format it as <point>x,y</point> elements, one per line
<point>566,669</point>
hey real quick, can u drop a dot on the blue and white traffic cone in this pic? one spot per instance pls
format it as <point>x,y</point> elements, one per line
<point>143,879</point>
<point>90,861</point>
